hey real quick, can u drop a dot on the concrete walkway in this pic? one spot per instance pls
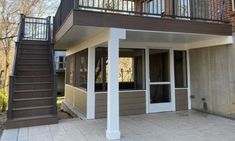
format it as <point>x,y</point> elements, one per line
<point>173,126</point>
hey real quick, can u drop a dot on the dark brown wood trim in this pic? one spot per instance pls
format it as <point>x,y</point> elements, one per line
<point>100,19</point>
<point>65,27</point>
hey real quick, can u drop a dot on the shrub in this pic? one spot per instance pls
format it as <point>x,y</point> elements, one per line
<point>3,101</point>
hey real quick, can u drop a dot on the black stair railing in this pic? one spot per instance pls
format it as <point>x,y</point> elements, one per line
<point>35,29</point>
<point>13,73</point>
<point>32,29</point>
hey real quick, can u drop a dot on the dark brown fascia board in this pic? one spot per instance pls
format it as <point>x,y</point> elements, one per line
<point>65,26</point>
<point>101,19</point>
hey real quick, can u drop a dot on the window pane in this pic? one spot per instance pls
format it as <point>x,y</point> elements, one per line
<point>159,65</point>
<point>160,94</point>
<point>81,68</point>
<point>131,69</point>
<point>70,70</point>
<point>126,69</point>
<point>101,62</point>
<point>180,58</point>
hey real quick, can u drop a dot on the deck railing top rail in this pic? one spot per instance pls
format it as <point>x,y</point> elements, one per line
<point>200,10</point>
<point>36,28</point>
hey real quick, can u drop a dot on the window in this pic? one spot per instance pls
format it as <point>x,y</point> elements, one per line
<point>200,9</point>
<point>153,7</point>
<point>126,73</point>
<point>81,69</point>
<point>61,62</point>
<point>182,8</point>
<point>131,69</point>
<point>180,58</point>
<point>70,70</point>
<point>76,69</point>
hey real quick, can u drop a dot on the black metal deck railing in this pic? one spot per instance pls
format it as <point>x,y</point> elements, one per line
<point>201,10</point>
<point>35,28</point>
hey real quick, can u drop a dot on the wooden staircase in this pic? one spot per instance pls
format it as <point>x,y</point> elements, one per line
<point>32,90</point>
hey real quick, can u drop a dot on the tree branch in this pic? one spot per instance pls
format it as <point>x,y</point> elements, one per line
<point>10,37</point>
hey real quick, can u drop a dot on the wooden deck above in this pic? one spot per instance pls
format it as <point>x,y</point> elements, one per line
<point>106,20</point>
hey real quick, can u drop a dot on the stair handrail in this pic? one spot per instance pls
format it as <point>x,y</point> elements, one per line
<point>13,73</point>
<point>19,39</point>
<point>53,65</point>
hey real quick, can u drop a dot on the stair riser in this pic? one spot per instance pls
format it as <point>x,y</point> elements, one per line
<point>35,79</point>
<point>34,43</point>
<point>32,87</point>
<point>34,47</point>
<point>32,112</point>
<point>34,61</point>
<point>33,94</point>
<point>30,73</point>
<point>23,51</point>
<point>35,67</point>
<point>29,123</point>
<point>35,56</point>
<point>33,103</point>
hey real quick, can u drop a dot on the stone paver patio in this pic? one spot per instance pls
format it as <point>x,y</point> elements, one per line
<point>172,126</point>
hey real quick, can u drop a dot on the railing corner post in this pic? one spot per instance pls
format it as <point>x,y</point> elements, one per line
<point>49,34</point>
<point>55,93</point>
<point>21,30</point>
<point>10,97</point>
<point>76,4</point>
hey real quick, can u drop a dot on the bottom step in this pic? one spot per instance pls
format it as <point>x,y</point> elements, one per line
<point>31,121</point>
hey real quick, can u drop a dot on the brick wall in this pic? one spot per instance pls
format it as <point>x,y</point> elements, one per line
<point>230,13</point>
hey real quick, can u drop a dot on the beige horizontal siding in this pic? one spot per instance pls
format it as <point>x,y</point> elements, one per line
<point>131,103</point>
<point>77,98</point>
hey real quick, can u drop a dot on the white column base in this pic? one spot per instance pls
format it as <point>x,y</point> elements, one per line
<point>113,135</point>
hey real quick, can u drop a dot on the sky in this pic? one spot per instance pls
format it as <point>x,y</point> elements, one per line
<point>52,7</point>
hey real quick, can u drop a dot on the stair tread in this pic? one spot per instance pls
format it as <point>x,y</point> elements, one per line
<point>31,99</point>
<point>35,53</point>
<point>38,90</point>
<point>33,63</point>
<point>33,76</point>
<point>22,58</point>
<point>32,69</point>
<point>32,108</point>
<point>34,117</point>
<point>35,48</point>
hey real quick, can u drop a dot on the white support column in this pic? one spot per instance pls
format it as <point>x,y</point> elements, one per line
<point>113,132</point>
<point>91,84</point>
<point>147,79</point>
<point>172,74</point>
<point>189,81</point>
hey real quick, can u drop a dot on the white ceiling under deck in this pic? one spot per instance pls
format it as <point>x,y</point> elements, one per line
<point>79,34</point>
<point>166,37</point>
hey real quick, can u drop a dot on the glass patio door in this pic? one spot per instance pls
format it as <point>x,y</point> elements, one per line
<point>160,99</point>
